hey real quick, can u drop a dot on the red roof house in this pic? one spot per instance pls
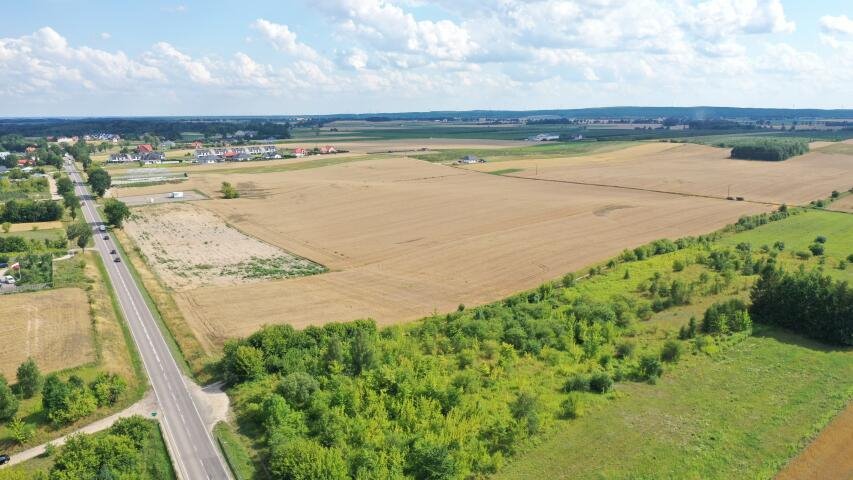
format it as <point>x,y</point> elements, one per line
<point>197,144</point>
<point>328,149</point>
<point>145,148</point>
<point>299,152</point>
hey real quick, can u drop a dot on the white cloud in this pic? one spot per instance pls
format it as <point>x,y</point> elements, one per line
<point>833,25</point>
<point>284,40</point>
<point>390,28</point>
<point>165,55</point>
<point>105,35</point>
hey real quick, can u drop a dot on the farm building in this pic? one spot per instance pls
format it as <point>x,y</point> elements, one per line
<point>144,148</point>
<point>325,149</point>
<point>468,159</point>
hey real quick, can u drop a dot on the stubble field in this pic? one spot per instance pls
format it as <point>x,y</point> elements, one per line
<point>697,170</point>
<point>52,326</point>
<point>403,238</point>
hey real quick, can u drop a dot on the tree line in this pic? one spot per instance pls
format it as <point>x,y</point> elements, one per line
<point>809,303</point>
<point>771,150</point>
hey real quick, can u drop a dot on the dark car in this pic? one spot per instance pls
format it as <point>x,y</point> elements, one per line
<point>112,252</point>
<point>106,237</point>
<point>3,264</point>
<point>117,259</point>
<point>4,459</point>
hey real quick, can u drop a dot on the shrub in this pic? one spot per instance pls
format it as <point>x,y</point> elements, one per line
<point>726,316</point>
<point>625,349</point>
<point>671,351</point>
<point>802,255</point>
<point>820,239</point>
<point>650,367</point>
<point>817,249</point>
<point>677,266</point>
<point>572,407</point>
<point>577,382</point>
<point>779,245</point>
<point>600,382</point>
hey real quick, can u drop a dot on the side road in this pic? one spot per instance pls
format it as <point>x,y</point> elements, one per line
<point>144,407</point>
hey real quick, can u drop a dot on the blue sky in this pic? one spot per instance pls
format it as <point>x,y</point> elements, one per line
<point>59,57</point>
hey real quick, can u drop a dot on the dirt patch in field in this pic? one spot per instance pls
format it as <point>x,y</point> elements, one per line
<point>404,238</point>
<point>190,247</point>
<point>26,227</point>
<point>52,326</point>
<point>698,170</point>
<point>830,455</point>
<point>844,204</point>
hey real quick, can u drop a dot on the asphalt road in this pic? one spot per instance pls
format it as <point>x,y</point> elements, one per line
<point>194,454</point>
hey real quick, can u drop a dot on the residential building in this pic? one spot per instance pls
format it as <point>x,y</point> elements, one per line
<point>124,157</point>
<point>328,149</point>
<point>299,152</point>
<point>144,148</point>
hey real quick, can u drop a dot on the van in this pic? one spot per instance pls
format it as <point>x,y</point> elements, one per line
<point>102,228</point>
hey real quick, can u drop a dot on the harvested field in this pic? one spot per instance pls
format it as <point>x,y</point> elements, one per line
<point>698,170</point>
<point>844,204</point>
<point>161,197</point>
<point>190,247</point>
<point>404,238</point>
<point>27,227</point>
<point>52,326</point>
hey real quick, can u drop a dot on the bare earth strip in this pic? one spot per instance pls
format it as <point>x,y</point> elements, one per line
<point>52,326</point>
<point>404,238</point>
<point>699,170</point>
<point>189,247</point>
<point>830,455</point>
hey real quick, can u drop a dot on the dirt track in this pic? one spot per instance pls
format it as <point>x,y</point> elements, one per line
<point>830,455</point>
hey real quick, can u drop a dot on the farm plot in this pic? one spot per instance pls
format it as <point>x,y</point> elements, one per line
<point>404,238</point>
<point>52,326</point>
<point>697,170</point>
<point>189,247</point>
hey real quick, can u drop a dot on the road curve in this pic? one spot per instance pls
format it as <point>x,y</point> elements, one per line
<point>194,454</point>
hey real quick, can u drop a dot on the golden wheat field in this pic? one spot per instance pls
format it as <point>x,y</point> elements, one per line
<point>404,238</point>
<point>697,169</point>
<point>52,326</point>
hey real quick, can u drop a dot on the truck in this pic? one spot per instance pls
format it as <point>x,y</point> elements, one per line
<point>176,195</point>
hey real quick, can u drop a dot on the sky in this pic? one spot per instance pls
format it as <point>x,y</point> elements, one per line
<point>290,57</point>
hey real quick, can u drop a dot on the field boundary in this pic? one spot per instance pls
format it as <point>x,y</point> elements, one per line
<point>622,187</point>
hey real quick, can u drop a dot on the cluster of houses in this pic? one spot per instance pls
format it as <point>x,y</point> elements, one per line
<point>235,154</point>
<point>144,153</point>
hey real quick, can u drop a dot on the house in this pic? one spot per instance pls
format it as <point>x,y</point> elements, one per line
<point>208,159</point>
<point>328,149</point>
<point>124,158</point>
<point>66,140</point>
<point>299,152</point>
<point>144,148</point>
<point>272,156</point>
<point>197,144</point>
<point>241,157</point>
<point>168,144</point>
<point>152,157</point>
<point>467,159</point>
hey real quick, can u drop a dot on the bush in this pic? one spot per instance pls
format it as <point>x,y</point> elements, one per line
<point>600,382</point>
<point>572,407</point>
<point>625,349</point>
<point>297,388</point>
<point>727,316</point>
<point>671,351</point>
<point>820,239</point>
<point>577,382</point>
<point>802,255</point>
<point>817,249</point>
<point>677,266</point>
<point>650,367</point>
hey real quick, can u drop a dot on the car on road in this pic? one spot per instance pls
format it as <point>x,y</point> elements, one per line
<point>4,459</point>
<point>102,228</point>
<point>112,252</point>
<point>117,259</point>
<point>106,237</point>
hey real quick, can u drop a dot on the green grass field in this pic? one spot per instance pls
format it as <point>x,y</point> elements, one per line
<point>49,233</point>
<point>799,231</point>
<point>547,150</point>
<point>740,414</point>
